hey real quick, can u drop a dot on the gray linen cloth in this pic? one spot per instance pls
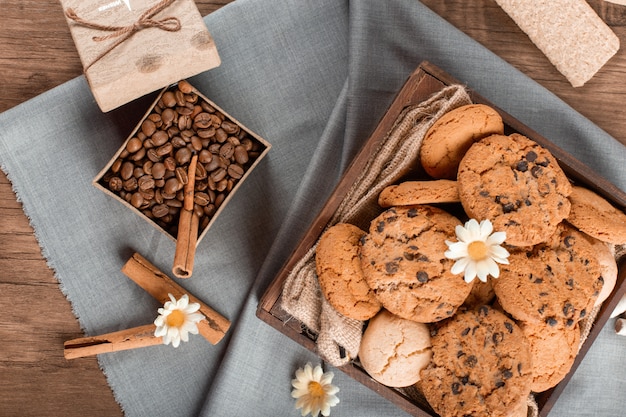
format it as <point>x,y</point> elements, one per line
<point>313,78</point>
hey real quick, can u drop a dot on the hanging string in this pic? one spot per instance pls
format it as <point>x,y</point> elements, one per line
<point>170,24</point>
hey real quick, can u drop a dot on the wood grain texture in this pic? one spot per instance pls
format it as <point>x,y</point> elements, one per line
<point>37,54</point>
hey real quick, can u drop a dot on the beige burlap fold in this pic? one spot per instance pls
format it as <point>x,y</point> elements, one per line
<point>339,337</point>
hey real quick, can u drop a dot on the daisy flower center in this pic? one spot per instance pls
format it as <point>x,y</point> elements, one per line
<point>316,390</point>
<point>176,318</point>
<point>477,250</point>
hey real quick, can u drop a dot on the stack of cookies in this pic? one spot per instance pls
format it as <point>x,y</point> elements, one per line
<point>475,347</point>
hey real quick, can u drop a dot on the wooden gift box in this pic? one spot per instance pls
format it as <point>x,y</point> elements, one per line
<point>261,145</point>
<point>426,80</point>
<point>150,58</point>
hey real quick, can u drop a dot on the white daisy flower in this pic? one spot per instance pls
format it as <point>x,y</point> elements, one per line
<point>177,319</point>
<point>314,391</point>
<point>478,251</point>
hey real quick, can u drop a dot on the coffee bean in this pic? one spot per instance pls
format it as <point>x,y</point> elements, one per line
<point>185,87</point>
<point>181,175</point>
<point>153,155</point>
<point>136,200</point>
<point>229,127</point>
<point>206,133</point>
<point>235,171</point>
<point>134,144</point>
<point>145,182</point>
<point>170,163</point>
<point>168,117</point>
<point>117,165</point>
<point>201,199</point>
<point>115,184</point>
<point>160,210</point>
<point>227,150</point>
<point>159,138</point>
<point>183,156</point>
<point>202,121</point>
<point>127,170</point>
<point>218,174</point>
<point>200,173</point>
<point>220,135</point>
<point>178,142</point>
<point>171,186</point>
<point>241,154</point>
<point>204,156</point>
<point>196,143</point>
<point>148,127</point>
<point>165,149</point>
<point>130,184</point>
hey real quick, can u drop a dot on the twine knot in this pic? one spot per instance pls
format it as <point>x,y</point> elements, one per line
<point>169,24</point>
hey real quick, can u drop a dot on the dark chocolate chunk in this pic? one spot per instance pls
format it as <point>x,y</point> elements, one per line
<point>522,166</point>
<point>531,156</point>
<point>422,276</point>
<point>471,361</point>
<point>391,267</point>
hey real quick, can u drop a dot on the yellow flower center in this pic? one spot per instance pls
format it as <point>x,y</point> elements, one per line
<point>477,250</point>
<point>176,318</point>
<point>315,389</point>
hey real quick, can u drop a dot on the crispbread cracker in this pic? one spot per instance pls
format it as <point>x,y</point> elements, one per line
<point>569,32</point>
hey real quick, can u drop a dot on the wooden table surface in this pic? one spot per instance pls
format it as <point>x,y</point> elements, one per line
<point>37,54</point>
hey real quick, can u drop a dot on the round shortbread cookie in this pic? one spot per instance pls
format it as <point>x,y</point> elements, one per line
<point>552,352</point>
<point>595,216</point>
<point>410,193</point>
<point>517,184</point>
<point>394,350</point>
<point>403,261</point>
<point>481,365</point>
<point>556,282</point>
<point>339,272</point>
<point>452,134</point>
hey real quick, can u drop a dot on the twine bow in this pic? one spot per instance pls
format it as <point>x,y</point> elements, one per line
<point>170,24</point>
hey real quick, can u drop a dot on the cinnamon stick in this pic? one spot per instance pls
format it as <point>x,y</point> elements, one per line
<point>187,236</point>
<point>213,327</point>
<point>135,337</point>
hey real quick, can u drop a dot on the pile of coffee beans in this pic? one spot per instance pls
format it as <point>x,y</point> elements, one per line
<point>151,170</point>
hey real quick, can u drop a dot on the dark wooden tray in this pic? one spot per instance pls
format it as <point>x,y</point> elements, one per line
<point>421,84</point>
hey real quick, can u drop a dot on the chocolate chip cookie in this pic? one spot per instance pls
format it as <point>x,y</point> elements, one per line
<point>481,365</point>
<point>403,261</point>
<point>517,184</point>
<point>556,282</point>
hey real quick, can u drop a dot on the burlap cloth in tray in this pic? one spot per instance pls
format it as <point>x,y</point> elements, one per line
<point>339,337</point>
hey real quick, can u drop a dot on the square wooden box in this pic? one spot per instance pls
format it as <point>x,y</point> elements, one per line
<point>261,144</point>
<point>426,80</point>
